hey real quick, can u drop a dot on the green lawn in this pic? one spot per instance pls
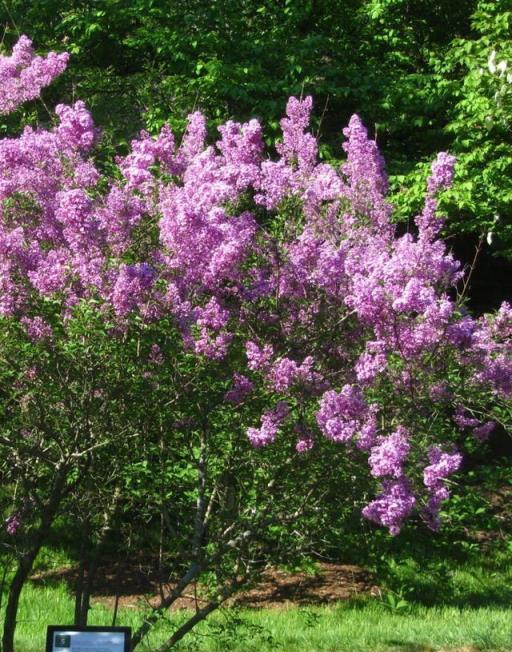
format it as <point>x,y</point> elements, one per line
<point>363,626</point>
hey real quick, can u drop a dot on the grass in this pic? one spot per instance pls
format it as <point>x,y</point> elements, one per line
<point>480,581</point>
<point>361,626</point>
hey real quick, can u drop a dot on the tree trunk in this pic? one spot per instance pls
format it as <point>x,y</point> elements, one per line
<point>200,615</point>
<point>188,626</point>
<point>26,562</point>
<point>85,578</point>
<point>17,584</point>
<point>157,612</point>
<point>2,583</point>
<point>86,594</point>
<point>81,577</point>
<point>90,554</point>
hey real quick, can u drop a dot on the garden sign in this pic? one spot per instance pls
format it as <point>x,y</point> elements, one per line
<point>64,638</point>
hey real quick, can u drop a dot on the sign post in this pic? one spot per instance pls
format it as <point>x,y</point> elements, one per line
<point>68,638</point>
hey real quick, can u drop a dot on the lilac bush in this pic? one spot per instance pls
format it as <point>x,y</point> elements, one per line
<point>289,270</point>
<point>282,277</point>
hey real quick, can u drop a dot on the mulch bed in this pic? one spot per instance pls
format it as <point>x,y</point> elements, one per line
<point>277,588</point>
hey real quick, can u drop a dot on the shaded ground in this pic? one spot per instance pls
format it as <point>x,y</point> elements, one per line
<point>331,583</point>
<point>138,584</point>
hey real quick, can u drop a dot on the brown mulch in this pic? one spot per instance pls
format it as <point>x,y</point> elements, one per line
<point>138,585</point>
<point>332,582</point>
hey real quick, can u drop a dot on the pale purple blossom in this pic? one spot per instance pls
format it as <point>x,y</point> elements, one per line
<point>286,372</point>
<point>270,423</point>
<point>342,414</point>
<point>37,328</point>
<point>441,466</point>
<point>389,454</point>
<point>304,444</point>
<point>23,75</point>
<point>392,506</point>
<point>258,357</point>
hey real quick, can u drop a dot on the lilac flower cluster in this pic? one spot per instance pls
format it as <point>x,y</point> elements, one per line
<point>132,284</point>
<point>12,524</point>
<point>23,75</point>
<point>371,362</point>
<point>258,357</point>
<point>286,372</point>
<point>344,414</point>
<point>270,422</point>
<point>387,457</point>
<point>305,441</point>
<point>441,466</point>
<point>37,329</point>
<point>392,506</point>
<point>479,430</point>
<point>213,338</point>
<point>397,499</point>
<point>242,386</point>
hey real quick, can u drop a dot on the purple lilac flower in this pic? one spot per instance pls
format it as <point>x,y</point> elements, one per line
<point>463,420</point>
<point>286,372</point>
<point>258,357</point>
<point>371,363</point>
<point>305,440</point>
<point>242,386</point>
<point>342,414</point>
<point>37,329</point>
<point>441,466</point>
<point>390,453</point>
<point>270,422</point>
<point>392,506</point>
<point>304,444</point>
<point>24,74</point>
<point>131,287</point>
<point>13,523</point>
<point>482,432</point>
